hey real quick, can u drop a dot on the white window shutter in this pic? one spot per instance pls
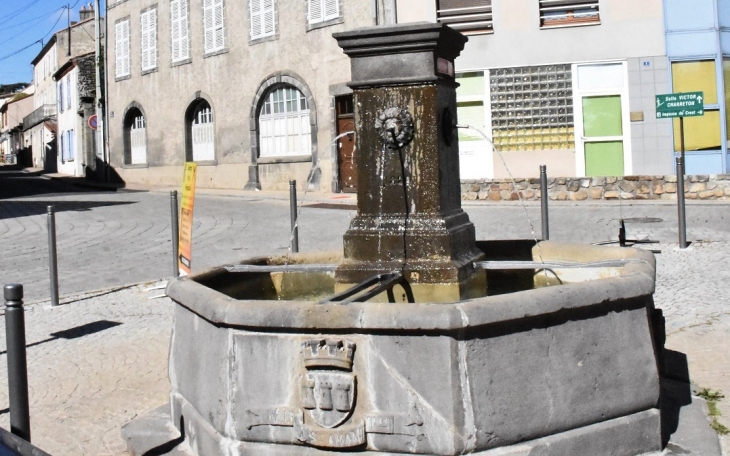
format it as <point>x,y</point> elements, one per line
<point>175,29</point>
<point>268,19</point>
<point>184,32</point>
<point>256,25</point>
<point>153,38</point>
<point>68,92</point>
<point>219,28</point>
<point>144,40</point>
<point>119,48</point>
<point>125,48</point>
<point>331,9</point>
<point>208,26</point>
<point>315,11</point>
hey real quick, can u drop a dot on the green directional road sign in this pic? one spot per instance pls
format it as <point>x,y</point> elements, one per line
<point>686,104</point>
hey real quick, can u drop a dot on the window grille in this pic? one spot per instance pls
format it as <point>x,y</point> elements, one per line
<point>263,22</point>
<point>532,107</point>
<point>149,39</point>
<point>284,127</point>
<point>121,49</point>
<point>179,30</point>
<point>470,17</point>
<point>213,26</point>
<point>323,10</point>
<point>561,13</point>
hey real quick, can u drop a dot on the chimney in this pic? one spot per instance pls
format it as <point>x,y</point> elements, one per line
<point>85,13</point>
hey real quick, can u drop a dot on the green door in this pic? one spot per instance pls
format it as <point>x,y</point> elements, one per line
<point>603,136</point>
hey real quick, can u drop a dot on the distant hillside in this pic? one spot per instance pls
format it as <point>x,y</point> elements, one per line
<point>12,88</point>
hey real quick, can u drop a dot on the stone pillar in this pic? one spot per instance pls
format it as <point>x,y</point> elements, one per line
<point>409,196</point>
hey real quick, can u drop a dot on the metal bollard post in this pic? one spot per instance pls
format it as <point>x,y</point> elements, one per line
<point>175,233</point>
<point>293,213</point>
<point>52,258</point>
<point>680,204</point>
<point>544,202</point>
<point>17,364</point>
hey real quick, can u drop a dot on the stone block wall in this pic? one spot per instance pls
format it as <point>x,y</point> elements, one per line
<point>703,187</point>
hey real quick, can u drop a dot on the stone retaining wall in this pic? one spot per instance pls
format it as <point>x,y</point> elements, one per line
<point>704,187</point>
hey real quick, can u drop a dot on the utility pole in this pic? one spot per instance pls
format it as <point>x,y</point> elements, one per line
<point>100,149</point>
<point>68,20</point>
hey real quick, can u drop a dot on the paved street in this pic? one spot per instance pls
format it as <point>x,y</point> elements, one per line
<point>100,359</point>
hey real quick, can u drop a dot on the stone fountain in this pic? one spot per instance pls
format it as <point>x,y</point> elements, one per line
<point>408,346</point>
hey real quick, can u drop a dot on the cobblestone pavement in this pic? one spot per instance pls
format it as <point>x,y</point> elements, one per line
<point>94,363</point>
<point>100,359</point>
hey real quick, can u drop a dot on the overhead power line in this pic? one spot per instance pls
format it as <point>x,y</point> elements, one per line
<point>18,12</point>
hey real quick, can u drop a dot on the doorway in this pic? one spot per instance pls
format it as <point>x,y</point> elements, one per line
<point>347,163</point>
<point>603,132</point>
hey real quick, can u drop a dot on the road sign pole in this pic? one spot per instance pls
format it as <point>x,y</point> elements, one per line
<point>681,215</point>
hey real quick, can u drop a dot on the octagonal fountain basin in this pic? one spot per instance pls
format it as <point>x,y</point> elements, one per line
<point>550,362</point>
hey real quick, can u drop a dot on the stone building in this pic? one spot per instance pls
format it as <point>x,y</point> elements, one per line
<point>572,83</point>
<point>13,144</point>
<point>253,91</point>
<point>76,83</point>
<point>62,53</point>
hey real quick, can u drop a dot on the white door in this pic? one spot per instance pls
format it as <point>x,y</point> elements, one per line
<point>602,125</point>
<point>203,136</point>
<point>138,139</point>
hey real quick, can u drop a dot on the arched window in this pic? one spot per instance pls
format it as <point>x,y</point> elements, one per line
<point>284,128</point>
<point>200,131</point>
<point>135,137</point>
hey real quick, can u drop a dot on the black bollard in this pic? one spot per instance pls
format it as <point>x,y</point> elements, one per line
<point>52,257</point>
<point>293,212</point>
<point>544,202</point>
<point>175,233</point>
<point>17,365</point>
<point>680,204</point>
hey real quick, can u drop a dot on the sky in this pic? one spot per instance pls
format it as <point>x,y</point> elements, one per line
<point>24,25</point>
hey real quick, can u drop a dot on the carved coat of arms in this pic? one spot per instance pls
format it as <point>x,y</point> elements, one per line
<point>328,388</point>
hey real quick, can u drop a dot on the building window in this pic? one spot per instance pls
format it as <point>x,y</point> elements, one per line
<point>60,96</point>
<point>567,13</point>
<point>213,26</point>
<point>323,11</point>
<point>148,39</point>
<point>263,21</point>
<point>202,131</point>
<point>470,17</point>
<point>284,128</point>
<point>68,91</point>
<point>701,132</point>
<point>69,145</point>
<point>121,49</point>
<point>135,137</point>
<point>179,30</point>
<point>726,74</point>
<point>532,107</point>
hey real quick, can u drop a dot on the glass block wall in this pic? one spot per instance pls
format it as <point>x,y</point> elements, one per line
<point>532,107</point>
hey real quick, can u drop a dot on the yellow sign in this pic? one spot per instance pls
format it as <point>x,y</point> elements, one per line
<point>186,218</point>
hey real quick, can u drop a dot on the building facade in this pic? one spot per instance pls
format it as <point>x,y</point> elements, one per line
<point>572,83</point>
<point>13,143</point>
<point>254,91</point>
<point>76,88</point>
<point>698,47</point>
<point>40,125</point>
<point>62,54</point>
